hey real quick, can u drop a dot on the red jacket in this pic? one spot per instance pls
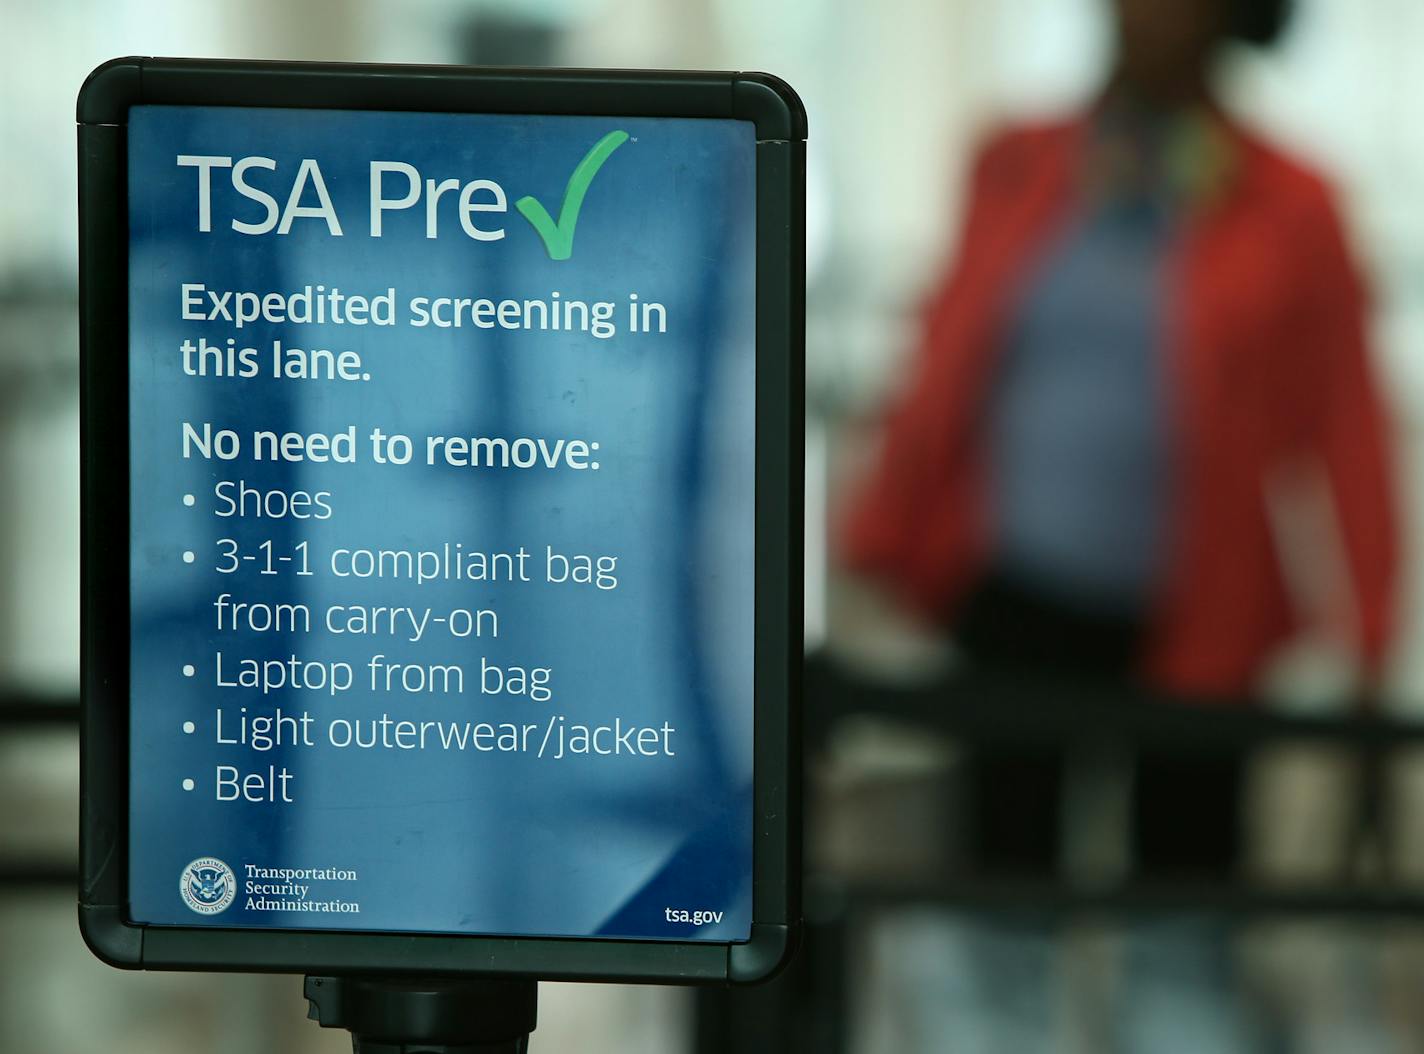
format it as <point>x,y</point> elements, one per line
<point>1268,362</point>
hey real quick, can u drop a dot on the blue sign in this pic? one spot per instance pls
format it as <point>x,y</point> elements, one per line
<point>442,522</point>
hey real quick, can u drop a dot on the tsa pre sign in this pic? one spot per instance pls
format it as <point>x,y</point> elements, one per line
<point>440,540</point>
<point>463,404</point>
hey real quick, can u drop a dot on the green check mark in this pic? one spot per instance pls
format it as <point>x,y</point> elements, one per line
<point>559,237</point>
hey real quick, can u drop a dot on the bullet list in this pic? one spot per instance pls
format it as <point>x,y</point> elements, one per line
<point>188,556</point>
<point>188,670</point>
<point>188,499</point>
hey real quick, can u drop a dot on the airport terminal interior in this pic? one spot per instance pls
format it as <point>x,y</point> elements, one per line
<point>1209,842</point>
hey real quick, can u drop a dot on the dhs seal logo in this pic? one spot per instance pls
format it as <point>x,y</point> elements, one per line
<point>207,886</point>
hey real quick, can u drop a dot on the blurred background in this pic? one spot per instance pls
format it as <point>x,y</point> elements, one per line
<point>1286,914</point>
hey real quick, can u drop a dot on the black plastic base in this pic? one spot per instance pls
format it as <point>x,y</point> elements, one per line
<point>426,1016</point>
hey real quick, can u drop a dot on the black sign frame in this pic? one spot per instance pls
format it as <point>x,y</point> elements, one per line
<point>780,125</point>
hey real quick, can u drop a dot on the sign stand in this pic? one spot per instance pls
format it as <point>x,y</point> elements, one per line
<point>442,1015</point>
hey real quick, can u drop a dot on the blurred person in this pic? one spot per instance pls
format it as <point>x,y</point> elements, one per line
<point>1152,320</point>
<point>1153,313</point>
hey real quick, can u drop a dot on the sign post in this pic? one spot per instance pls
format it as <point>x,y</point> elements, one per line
<point>442,435</point>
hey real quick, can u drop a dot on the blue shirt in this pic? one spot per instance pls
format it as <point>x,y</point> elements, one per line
<point>1078,420</point>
